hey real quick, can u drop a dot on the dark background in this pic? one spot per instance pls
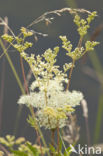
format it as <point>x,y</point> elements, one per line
<point>22,13</point>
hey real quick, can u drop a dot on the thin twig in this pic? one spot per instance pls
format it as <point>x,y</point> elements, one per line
<point>70,74</point>
<point>52,136</point>
<point>24,77</point>
<point>58,13</point>
<point>80,42</point>
<point>73,64</point>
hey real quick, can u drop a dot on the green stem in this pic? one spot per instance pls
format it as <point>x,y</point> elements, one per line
<point>98,119</point>
<point>20,85</point>
<point>73,63</point>
<point>17,79</point>
<point>39,130</point>
<point>58,140</point>
<point>99,69</point>
<point>12,67</point>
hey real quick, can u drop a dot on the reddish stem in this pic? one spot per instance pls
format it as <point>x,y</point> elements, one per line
<point>31,108</point>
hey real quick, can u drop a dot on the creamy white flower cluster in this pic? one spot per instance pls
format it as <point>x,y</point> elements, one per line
<point>53,106</point>
<point>47,93</point>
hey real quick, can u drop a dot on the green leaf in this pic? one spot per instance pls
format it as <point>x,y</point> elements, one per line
<point>60,145</point>
<point>33,149</point>
<point>52,149</point>
<point>19,153</point>
<point>67,152</point>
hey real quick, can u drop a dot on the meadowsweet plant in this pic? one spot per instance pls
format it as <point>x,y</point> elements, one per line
<point>52,102</point>
<point>20,146</point>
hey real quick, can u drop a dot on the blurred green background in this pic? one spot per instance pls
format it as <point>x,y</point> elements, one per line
<point>22,13</point>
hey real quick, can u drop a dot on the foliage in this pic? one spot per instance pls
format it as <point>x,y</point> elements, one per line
<point>53,103</point>
<point>21,147</point>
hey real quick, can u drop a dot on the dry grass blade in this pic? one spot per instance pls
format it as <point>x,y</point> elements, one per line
<point>71,134</point>
<point>45,16</point>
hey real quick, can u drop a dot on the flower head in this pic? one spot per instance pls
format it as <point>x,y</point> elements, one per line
<point>53,107</point>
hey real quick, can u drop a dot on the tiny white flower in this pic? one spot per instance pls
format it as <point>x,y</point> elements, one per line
<point>57,98</point>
